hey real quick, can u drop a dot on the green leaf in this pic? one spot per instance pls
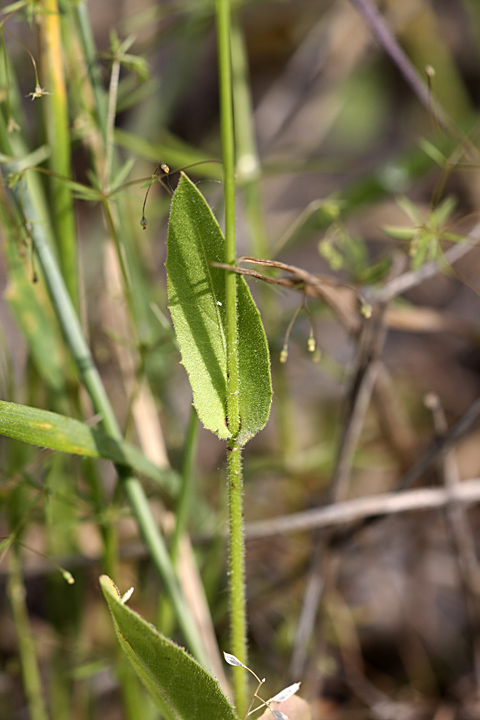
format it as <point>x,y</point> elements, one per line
<point>399,232</point>
<point>443,211</point>
<point>82,191</point>
<point>255,384</point>
<point>453,237</point>
<point>410,209</point>
<point>121,175</point>
<point>196,292</point>
<point>181,687</point>
<point>433,152</point>
<point>57,432</point>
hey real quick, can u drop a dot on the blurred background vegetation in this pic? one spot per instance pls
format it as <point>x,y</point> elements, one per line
<point>329,136</point>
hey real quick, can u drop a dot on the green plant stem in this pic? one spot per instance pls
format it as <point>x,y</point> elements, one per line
<point>159,554</point>
<point>111,223</point>
<point>94,386</point>
<point>238,615</point>
<point>105,161</point>
<point>26,644</point>
<point>111,113</point>
<point>165,616</point>
<point>182,507</point>
<point>235,480</point>
<point>248,162</point>
<point>85,34</point>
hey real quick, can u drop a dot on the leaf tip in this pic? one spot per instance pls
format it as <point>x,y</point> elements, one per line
<point>109,586</point>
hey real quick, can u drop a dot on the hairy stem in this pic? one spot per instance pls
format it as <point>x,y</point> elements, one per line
<point>235,480</point>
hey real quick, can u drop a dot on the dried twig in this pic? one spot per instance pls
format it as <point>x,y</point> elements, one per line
<point>345,300</point>
<point>408,280</point>
<point>377,506</point>
<point>390,44</point>
<point>393,420</point>
<point>370,346</point>
<point>461,535</point>
<point>324,567</point>
<point>438,447</point>
<point>351,303</point>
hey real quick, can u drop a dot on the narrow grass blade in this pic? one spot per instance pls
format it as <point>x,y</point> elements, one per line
<point>57,432</point>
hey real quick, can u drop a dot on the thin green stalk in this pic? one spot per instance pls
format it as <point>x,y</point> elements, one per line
<point>235,479</point>
<point>238,614</point>
<point>111,222</point>
<point>111,113</point>
<point>105,162</point>
<point>159,553</point>
<point>106,524</point>
<point>182,507</point>
<point>165,617</point>
<point>249,178</point>
<point>248,162</point>
<point>94,386</point>
<point>30,671</point>
<point>89,50</point>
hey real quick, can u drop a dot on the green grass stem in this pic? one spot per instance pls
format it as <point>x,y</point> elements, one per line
<point>26,645</point>
<point>111,114</point>
<point>248,162</point>
<point>234,459</point>
<point>165,617</point>
<point>87,41</point>
<point>183,503</point>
